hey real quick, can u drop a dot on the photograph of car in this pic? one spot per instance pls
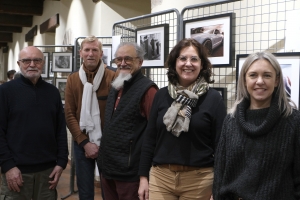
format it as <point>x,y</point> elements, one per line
<point>211,37</point>
<point>215,34</point>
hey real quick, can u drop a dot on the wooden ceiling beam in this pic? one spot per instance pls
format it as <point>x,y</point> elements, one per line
<point>50,24</point>
<point>9,29</point>
<point>15,20</point>
<point>31,33</point>
<point>6,37</point>
<point>21,7</point>
<point>3,44</point>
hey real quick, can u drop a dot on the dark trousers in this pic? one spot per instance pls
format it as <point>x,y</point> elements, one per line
<point>35,187</point>
<point>85,168</point>
<point>119,190</point>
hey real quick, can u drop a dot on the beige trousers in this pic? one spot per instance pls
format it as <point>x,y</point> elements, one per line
<point>190,185</point>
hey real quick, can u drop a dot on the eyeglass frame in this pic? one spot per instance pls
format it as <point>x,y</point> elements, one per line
<point>40,60</point>
<point>123,58</point>
<point>189,58</point>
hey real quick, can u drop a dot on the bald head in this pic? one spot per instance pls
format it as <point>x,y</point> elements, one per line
<point>30,50</point>
<point>31,62</point>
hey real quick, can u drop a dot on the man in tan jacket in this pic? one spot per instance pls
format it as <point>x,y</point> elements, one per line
<point>85,100</point>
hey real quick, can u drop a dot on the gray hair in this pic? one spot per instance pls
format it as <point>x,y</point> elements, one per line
<point>285,104</point>
<point>138,49</point>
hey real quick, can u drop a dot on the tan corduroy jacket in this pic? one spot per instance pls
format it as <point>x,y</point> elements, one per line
<point>73,97</point>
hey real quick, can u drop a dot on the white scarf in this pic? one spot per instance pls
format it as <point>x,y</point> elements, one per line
<point>90,113</point>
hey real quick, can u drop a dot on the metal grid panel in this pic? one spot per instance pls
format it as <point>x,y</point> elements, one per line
<point>127,30</point>
<point>259,25</point>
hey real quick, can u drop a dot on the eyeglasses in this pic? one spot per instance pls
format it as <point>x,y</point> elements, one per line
<point>193,59</point>
<point>36,61</point>
<point>127,59</point>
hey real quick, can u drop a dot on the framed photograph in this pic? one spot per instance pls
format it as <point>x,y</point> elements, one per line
<point>155,42</point>
<point>290,66</point>
<point>106,54</point>
<point>223,93</point>
<point>45,71</point>
<point>60,83</point>
<point>61,62</point>
<point>215,34</point>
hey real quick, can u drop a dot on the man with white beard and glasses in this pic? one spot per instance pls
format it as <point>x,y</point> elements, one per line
<point>126,117</point>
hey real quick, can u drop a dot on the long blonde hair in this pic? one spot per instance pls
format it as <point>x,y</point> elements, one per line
<point>284,102</point>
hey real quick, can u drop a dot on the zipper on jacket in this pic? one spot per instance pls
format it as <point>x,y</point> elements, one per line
<point>130,144</point>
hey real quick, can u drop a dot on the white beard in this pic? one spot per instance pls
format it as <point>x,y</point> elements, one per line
<point>118,83</point>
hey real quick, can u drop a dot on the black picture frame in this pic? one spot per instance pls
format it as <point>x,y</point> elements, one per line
<point>216,34</point>
<point>290,66</point>
<point>45,70</point>
<point>60,83</point>
<point>155,41</point>
<point>107,54</point>
<point>223,93</point>
<point>62,61</point>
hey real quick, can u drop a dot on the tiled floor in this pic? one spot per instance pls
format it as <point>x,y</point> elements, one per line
<point>63,187</point>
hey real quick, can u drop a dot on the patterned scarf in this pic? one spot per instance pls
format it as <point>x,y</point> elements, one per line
<point>178,116</point>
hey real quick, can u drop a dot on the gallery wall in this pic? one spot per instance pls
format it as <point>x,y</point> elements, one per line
<point>256,26</point>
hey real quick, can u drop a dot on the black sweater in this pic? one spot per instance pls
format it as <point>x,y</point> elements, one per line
<point>32,126</point>
<point>193,148</point>
<point>258,156</point>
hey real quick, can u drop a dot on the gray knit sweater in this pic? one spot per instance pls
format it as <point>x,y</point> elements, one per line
<point>258,157</point>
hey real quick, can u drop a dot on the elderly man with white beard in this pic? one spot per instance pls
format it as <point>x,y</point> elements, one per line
<point>126,117</point>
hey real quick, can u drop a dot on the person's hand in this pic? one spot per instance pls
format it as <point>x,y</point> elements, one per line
<point>91,150</point>
<point>144,188</point>
<point>55,175</point>
<point>211,197</point>
<point>14,179</point>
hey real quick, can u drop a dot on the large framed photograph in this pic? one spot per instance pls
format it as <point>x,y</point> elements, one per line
<point>155,42</point>
<point>106,57</point>
<point>290,66</point>
<point>60,83</point>
<point>45,70</point>
<point>223,93</point>
<point>215,34</point>
<point>61,62</point>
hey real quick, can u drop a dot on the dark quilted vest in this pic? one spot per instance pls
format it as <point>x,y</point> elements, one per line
<point>121,141</point>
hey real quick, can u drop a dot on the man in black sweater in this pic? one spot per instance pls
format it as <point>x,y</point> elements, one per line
<point>33,138</point>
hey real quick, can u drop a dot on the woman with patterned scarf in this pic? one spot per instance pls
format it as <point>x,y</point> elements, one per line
<point>258,156</point>
<point>183,131</point>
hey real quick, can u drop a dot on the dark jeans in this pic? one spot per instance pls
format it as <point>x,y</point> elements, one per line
<point>85,168</point>
<point>119,190</point>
